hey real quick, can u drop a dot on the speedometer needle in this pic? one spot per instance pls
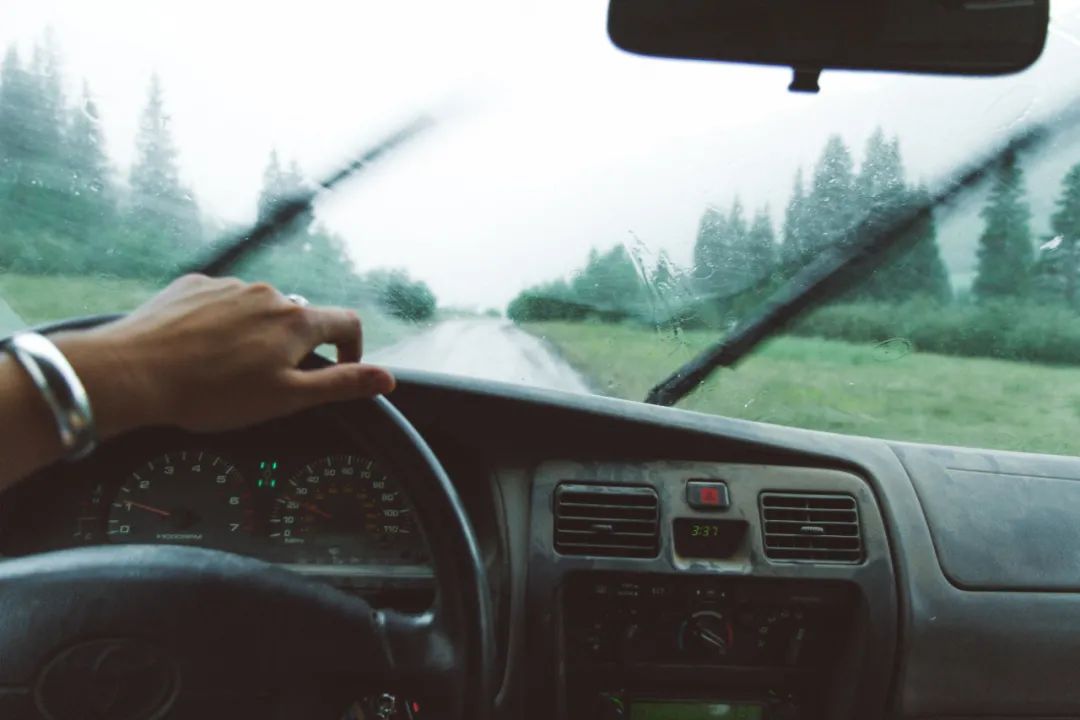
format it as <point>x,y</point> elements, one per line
<point>150,508</point>
<point>311,507</point>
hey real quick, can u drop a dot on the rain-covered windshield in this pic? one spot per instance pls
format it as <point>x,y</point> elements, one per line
<point>578,219</point>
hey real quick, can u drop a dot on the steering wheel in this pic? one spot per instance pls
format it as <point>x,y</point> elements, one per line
<point>140,632</point>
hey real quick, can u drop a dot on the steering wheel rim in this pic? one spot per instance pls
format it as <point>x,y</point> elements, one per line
<point>141,603</point>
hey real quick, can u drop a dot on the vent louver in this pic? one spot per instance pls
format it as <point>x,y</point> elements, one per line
<point>607,520</point>
<point>811,526</point>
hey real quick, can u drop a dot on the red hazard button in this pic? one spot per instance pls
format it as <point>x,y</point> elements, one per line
<point>707,495</point>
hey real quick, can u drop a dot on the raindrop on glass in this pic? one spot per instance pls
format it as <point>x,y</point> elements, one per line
<point>892,349</point>
<point>1053,243</point>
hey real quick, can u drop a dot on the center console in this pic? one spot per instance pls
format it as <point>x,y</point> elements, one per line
<point>706,591</point>
<point>656,647</point>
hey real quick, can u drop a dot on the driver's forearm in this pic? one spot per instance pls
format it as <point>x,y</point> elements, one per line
<point>28,436</point>
<point>29,439</point>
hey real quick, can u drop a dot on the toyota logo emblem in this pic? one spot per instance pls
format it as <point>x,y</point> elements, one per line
<point>116,678</point>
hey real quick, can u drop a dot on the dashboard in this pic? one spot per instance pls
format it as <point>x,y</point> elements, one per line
<point>645,563</point>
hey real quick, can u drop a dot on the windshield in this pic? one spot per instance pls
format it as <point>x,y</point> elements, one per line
<point>578,218</point>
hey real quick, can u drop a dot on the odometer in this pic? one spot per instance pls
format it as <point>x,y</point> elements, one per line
<point>183,497</point>
<point>344,510</point>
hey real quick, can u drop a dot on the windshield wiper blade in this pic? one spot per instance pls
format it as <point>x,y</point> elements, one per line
<point>264,232</point>
<point>843,266</point>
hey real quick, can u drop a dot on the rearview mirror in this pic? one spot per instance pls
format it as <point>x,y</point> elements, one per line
<point>965,37</point>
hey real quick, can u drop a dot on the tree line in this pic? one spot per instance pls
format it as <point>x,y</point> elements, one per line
<point>65,210</point>
<point>738,256</point>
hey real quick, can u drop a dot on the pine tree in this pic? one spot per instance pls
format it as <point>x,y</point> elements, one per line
<point>711,249</point>
<point>91,174</point>
<point>1005,251</point>
<point>732,267</point>
<point>761,245</point>
<point>272,191</point>
<point>15,88</point>
<point>49,110</point>
<point>89,211</point>
<point>880,194</point>
<point>307,258</point>
<point>794,247</point>
<point>163,214</point>
<point>831,206</point>
<point>280,185</point>
<point>914,269</point>
<point>30,122</point>
<point>880,182</point>
<point>664,275</point>
<point>33,178</point>
<point>1059,260</point>
<point>610,284</point>
<point>736,223</point>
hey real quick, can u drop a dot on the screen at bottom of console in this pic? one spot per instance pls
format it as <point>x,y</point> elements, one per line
<point>694,710</point>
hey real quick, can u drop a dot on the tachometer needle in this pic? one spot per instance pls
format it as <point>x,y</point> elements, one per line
<point>149,508</point>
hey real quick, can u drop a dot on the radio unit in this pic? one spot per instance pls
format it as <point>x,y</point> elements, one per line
<point>677,641</point>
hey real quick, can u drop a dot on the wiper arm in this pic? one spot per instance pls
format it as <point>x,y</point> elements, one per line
<point>839,269</point>
<point>264,232</point>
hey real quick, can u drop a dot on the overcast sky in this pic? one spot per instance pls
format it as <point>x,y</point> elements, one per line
<point>554,141</point>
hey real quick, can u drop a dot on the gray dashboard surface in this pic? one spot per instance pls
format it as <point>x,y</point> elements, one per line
<point>1004,521</point>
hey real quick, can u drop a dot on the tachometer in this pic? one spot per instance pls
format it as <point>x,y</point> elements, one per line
<point>184,497</point>
<point>344,509</point>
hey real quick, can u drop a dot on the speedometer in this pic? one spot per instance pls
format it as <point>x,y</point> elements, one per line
<point>183,497</point>
<point>343,510</point>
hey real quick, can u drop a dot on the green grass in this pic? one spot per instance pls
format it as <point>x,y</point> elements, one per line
<point>845,388</point>
<point>41,298</point>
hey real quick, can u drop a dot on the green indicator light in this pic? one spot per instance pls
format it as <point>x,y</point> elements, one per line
<point>274,466</point>
<point>262,465</point>
<point>273,483</point>
<point>259,484</point>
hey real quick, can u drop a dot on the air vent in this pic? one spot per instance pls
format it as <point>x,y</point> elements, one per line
<point>819,527</point>
<point>607,520</point>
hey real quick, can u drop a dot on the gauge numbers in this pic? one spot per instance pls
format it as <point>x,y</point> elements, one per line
<point>344,509</point>
<point>183,497</point>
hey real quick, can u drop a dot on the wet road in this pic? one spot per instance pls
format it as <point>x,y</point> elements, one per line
<point>486,348</point>
<point>9,321</point>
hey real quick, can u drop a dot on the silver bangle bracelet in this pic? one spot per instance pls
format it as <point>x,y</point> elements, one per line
<point>61,389</point>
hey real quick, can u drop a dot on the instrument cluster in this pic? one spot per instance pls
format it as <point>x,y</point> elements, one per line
<point>292,492</point>
<point>339,509</point>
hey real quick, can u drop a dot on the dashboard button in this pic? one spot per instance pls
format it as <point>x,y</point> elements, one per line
<point>707,495</point>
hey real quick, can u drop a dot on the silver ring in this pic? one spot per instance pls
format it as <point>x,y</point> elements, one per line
<point>297,299</point>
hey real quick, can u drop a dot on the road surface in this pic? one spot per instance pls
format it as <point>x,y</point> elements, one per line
<point>486,348</point>
<point>9,321</point>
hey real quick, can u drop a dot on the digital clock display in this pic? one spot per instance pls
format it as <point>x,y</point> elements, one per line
<point>707,538</point>
<point>704,529</point>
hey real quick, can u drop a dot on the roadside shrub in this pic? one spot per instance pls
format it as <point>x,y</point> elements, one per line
<point>864,322</point>
<point>540,306</point>
<point>405,298</point>
<point>1025,331</point>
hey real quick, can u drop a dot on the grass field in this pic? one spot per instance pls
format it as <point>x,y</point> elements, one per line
<point>846,388</point>
<point>36,299</point>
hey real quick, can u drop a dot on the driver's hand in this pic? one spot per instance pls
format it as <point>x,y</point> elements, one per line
<point>213,354</point>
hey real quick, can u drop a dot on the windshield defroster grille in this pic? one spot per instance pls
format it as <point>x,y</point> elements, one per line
<point>607,520</point>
